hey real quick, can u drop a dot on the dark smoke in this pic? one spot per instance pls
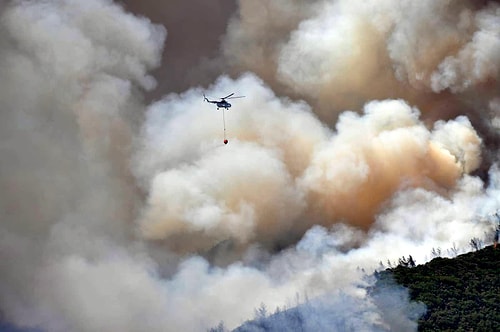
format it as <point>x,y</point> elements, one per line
<point>363,129</point>
<point>195,29</point>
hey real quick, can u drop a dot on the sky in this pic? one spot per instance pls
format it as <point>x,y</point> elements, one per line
<point>368,132</point>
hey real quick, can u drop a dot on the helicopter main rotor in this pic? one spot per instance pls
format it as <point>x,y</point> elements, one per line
<point>230,96</point>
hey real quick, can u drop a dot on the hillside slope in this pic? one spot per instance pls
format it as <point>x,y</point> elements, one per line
<point>461,294</point>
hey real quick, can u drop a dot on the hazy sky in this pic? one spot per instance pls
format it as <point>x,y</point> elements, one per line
<point>195,29</point>
<point>369,131</point>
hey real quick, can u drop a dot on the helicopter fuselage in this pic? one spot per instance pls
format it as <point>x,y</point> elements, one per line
<point>223,104</point>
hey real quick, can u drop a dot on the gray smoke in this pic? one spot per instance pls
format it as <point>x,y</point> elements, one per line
<point>384,308</point>
<point>124,215</point>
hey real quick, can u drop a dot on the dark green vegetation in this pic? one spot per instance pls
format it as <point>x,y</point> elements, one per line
<point>461,294</point>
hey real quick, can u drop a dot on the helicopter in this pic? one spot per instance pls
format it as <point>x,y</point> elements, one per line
<point>222,103</point>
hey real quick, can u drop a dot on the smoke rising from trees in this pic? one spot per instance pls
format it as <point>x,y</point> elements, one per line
<point>361,137</point>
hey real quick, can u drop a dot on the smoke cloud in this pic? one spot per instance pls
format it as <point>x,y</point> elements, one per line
<point>344,175</point>
<point>385,308</point>
<point>368,131</point>
<point>341,54</point>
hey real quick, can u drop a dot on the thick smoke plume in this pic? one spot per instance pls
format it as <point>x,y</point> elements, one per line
<point>275,178</point>
<point>368,132</point>
<point>341,54</point>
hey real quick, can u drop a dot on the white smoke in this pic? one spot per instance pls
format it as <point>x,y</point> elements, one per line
<point>341,54</point>
<point>119,216</point>
<point>70,71</point>
<point>386,309</point>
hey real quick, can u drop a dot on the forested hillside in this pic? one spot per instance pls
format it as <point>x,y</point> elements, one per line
<point>445,294</point>
<point>461,294</point>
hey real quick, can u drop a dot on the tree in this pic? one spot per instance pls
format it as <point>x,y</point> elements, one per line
<point>218,328</point>
<point>406,262</point>
<point>261,312</point>
<point>476,243</point>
